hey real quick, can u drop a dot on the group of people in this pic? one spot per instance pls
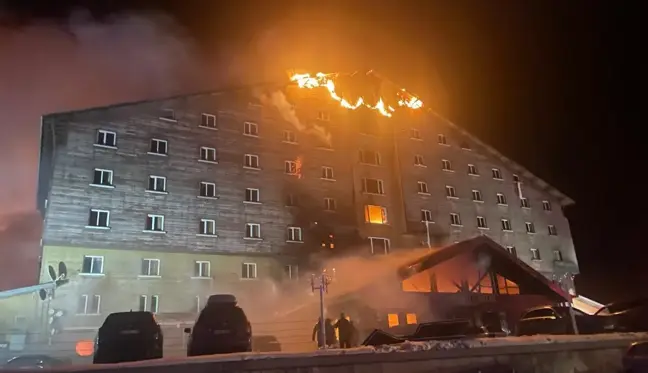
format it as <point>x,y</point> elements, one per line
<point>346,331</point>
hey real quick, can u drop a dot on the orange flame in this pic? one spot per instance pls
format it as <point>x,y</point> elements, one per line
<point>328,81</point>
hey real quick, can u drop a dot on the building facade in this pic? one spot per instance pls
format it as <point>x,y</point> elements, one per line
<point>156,205</point>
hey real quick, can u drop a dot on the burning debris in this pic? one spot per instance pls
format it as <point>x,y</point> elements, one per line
<point>405,99</point>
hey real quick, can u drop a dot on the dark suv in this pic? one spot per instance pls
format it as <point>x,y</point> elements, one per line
<point>221,328</point>
<point>128,336</point>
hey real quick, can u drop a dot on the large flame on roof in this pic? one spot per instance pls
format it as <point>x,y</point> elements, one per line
<point>322,80</point>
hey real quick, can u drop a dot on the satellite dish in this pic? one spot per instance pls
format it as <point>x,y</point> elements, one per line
<point>52,272</point>
<point>50,312</point>
<point>62,270</point>
<point>42,294</point>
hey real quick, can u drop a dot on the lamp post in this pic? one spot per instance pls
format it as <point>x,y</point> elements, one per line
<point>321,283</point>
<point>572,293</point>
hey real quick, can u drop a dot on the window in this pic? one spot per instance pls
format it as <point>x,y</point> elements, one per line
<point>465,145</point>
<point>524,203</point>
<point>375,214</point>
<point>370,157</point>
<point>291,200</point>
<point>106,138</point>
<point>501,199</point>
<point>168,114</point>
<point>157,184</point>
<point>535,254</point>
<point>323,115</point>
<point>530,228</point>
<point>289,136</point>
<point>481,222</point>
<point>446,165</point>
<point>102,177</point>
<point>291,271</point>
<point>250,129</point>
<point>158,147</point>
<point>552,230</point>
<point>207,227</point>
<point>330,204</point>
<point>153,307</point>
<point>546,205</point>
<point>426,216</point>
<point>415,134</point>
<point>207,154</point>
<point>155,223</point>
<point>89,304</point>
<point>442,139</point>
<point>373,186</point>
<point>423,188</point>
<point>472,170</point>
<point>249,270</point>
<point>208,121</point>
<point>477,196</point>
<point>290,167</point>
<point>455,219</point>
<point>150,267</point>
<point>379,245</point>
<point>557,256</point>
<point>418,160</point>
<point>155,304</point>
<point>327,173</point>
<point>202,269</point>
<point>198,309</point>
<point>207,189</point>
<point>410,318</point>
<point>253,230</point>
<point>99,219</point>
<point>252,195</point>
<point>450,191</point>
<point>392,320</point>
<point>251,161</point>
<point>506,225</point>
<point>497,174</point>
<point>512,250</point>
<point>92,265</point>
<point>143,303</point>
<point>295,234</point>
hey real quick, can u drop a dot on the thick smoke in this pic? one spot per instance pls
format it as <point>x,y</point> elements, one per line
<point>47,67</point>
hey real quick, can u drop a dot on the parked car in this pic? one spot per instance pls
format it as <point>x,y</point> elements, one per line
<point>222,327</point>
<point>33,362</point>
<point>626,316</point>
<point>557,320</point>
<point>128,336</point>
<point>635,360</point>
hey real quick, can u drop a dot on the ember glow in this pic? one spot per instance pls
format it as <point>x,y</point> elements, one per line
<point>321,80</point>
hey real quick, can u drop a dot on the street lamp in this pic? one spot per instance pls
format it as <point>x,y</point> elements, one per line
<point>321,283</point>
<point>572,293</point>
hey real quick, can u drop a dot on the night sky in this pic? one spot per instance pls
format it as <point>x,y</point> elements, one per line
<point>554,85</point>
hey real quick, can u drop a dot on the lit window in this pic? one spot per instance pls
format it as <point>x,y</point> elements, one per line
<point>535,254</point>
<point>158,147</point>
<point>506,225</point>
<point>442,139</point>
<point>477,196</point>
<point>426,216</point>
<point>102,177</point>
<point>207,154</point>
<point>472,170</point>
<point>423,188</point>
<point>253,230</point>
<point>450,191</point>
<point>524,203</point>
<point>150,267</point>
<point>251,161</point>
<point>481,222</point>
<point>208,121</point>
<point>411,318</point>
<point>497,174</point>
<point>418,160</point>
<point>295,234</point>
<point>552,230</point>
<point>249,271</point>
<point>375,214</point>
<point>392,320</point>
<point>446,165</point>
<point>250,129</point>
<point>530,228</point>
<point>207,227</point>
<point>546,205</point>
<point>455,219</point>
<point>252,195</point>
<point>106,139</point>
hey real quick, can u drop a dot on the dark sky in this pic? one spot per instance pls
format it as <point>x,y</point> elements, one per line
<point>555,85</point>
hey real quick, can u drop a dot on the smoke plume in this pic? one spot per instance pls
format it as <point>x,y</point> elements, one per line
<point>52,67</point>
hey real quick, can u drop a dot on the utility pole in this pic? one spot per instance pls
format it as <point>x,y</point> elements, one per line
<point>321,284</point>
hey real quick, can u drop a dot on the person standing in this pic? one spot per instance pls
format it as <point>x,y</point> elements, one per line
<point>345,331</point>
